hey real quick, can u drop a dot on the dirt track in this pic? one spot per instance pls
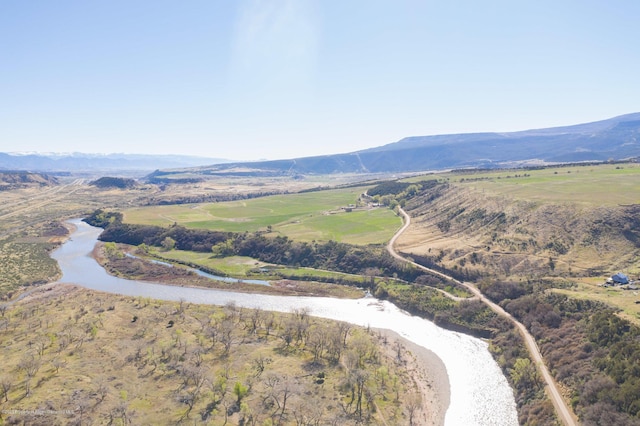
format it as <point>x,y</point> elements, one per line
<point>565,414</point>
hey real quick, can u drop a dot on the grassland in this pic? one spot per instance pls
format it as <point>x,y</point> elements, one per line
<point>576,223</point>
<point>233,266</point>
<point>592,289</point>
<point>304,217</point>
<point>247,267</point>
<point>85,357</point>
<point>25,262</point>
<point>602,185</point>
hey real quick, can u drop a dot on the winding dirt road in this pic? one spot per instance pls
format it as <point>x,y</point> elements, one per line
<point>565,414</point>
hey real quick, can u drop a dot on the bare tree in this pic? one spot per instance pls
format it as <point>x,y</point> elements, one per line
<point>279,390</point>
<point>317,341</point>
<point>356,381</point>
<point>344,329</point>
<point>182,305</point>
<point>413,404</point>
<point>288,332</point>
<point>269,322</point>
<point>334,345</point>
<point>58,363</point>
<point>255,320</point>
<point>308,412</point>
<point>101,389</point>
<point>191,394</point>
<point>30,365</point>
<point>227,402</point>
<point>120,414</point>
<point>166,310</point>
<point>372,273</point>
<point>226,335</point>
<point>81,402</point>
<point>6,383</point>
<point>41,343</point>
<point>260,363</point>
<point>231,310</point>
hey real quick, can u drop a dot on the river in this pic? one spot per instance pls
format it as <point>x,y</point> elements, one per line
<point>480,394</point>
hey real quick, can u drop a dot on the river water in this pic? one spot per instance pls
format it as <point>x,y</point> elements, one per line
<point>480,394</point>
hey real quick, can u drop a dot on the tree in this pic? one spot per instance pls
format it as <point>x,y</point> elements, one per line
<point>168,243</point>
<point>414,402</point>
<point>58,363</point>
<point>372,273</point>
<point>111,250</point>
<point>6,383</point>
<point>524,373</point>
<point>357,383</point>
<point>240,391</point>
<point>30,365</point>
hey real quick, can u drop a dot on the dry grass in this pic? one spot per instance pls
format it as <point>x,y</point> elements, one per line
<point>92,363</point>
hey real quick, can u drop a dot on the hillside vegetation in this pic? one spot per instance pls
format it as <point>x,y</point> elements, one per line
<point>72,356</point>
<point>536,242</point>
<point>571,221</point>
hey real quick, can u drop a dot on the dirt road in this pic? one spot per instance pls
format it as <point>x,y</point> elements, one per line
<point>564,413</point>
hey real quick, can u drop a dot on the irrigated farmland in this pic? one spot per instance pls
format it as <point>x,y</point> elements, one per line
<point>337,215</point>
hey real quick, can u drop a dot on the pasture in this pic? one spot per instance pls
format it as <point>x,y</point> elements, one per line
<point>588,185</point>
<point>592,289</point>
<point>309,216</point>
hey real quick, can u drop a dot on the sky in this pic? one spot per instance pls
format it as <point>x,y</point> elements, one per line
<point>257,79</point>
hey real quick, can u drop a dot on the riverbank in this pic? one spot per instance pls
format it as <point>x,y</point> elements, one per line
<point>155,362</point>
<point>430,377</point>
<point>135,267</point>
<point>424,368</point>
<point>480,393</point>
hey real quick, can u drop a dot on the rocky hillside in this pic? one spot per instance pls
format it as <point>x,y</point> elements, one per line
<point>18,179</point>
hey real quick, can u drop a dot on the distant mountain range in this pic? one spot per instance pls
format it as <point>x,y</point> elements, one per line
<point>78,162</point>
<point>616,138</point>
<point>613,139</point>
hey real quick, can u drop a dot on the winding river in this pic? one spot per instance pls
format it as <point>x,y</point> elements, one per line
<point>480,394</point>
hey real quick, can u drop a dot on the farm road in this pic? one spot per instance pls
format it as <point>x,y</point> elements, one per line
<point>565,414</point>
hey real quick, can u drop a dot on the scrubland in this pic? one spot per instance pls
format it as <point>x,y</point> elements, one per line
<point>82,357</point>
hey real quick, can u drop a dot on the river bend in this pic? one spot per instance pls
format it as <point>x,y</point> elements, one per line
<point>480,394</point>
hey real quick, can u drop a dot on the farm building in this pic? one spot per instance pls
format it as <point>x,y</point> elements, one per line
<point>619,278</point>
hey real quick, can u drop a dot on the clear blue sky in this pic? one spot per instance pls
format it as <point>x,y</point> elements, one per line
<point>254,79</point>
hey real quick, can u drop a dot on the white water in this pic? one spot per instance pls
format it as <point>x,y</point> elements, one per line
<point>480,394</point>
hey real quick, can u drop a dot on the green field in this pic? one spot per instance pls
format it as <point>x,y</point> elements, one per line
<point>606,184</point>
<point>234,266</point>
<point>244,267</point>
<point>304,217</point>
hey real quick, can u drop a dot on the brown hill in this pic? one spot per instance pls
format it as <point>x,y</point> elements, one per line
<point>15,180</point>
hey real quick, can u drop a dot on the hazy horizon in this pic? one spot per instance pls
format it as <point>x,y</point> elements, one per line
<point>253,80</point>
